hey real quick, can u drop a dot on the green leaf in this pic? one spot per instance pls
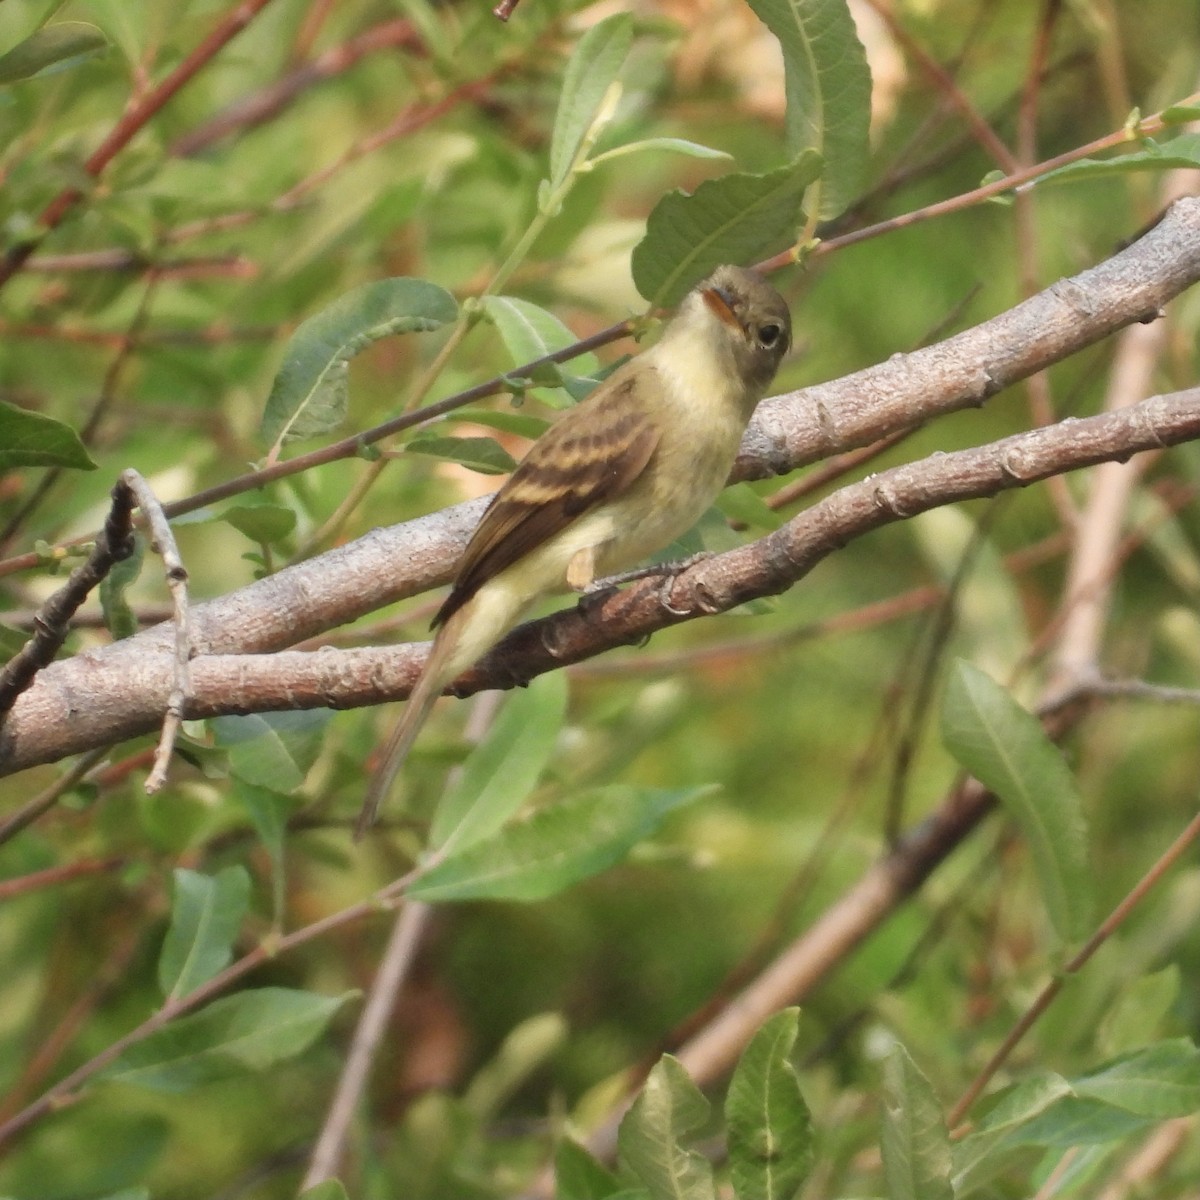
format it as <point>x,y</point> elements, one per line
<point>524,1051</point>
<point>249,1031</point>
<point>63,43</point>
<point>1180,114</point>
<point>739,218</point>
<point>828,86</point>
<point>500,772</point>
<point>1006,749</point>
<point>309,395</point>
<point>770,1129</point>
<point>593,67</point>
<point>1179,152</point>
<point>482,454</point>
<point>530,332</point>
<point>272,749</point>
<point>742,503</point>
<point>916,1146</point>
<point>1160,1081</point>
<point>205,918</point>
<point>12,641</point>
<point>671,144</point>
<point>522,424</point>
<point>119,618</point>
<point>544,853</point>
<point>269,812</point>
<point>980,1155</point>
<point>579,1176</point>
<point>267,524</point>
<point>28,439</point>
<point>331,1189</point>
<point>1139,1011</point>
<point>1078,1121</point>
<point>650,1140</point>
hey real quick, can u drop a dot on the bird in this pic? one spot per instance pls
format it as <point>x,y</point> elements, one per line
<point>613,481</point>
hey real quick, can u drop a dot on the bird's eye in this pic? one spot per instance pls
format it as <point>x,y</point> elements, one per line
<point>768,335</point>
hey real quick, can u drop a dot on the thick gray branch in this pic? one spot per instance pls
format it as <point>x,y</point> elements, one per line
<point>120,691</point>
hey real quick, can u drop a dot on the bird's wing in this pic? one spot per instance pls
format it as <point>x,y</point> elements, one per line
<point>566,473</point>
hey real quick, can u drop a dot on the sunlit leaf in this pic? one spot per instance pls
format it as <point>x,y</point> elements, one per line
<point>309,395</point>
<point>1180,114</point>
<point>669,1110</point>
<point>248,1031</point>
<point>272,749</point>
<point>330,1189</point>
<point>267,524</point>
<point>916,1146</point>
<point>1159,1081</point>
<point>673,145</point>
<point>769,1127</point>
<point>522,424</point>
<point>1182,152</point>
<point>1138,1012</point>
<point>738,218</point>
<point>530,332</point>
<point>557,846</point>
<point>593,67</point>
<point>119,618</point>
<point>579,1176</point>
<point>996,1135</point>
<point>828,86</point>
<point>500,772</point>
<point>742,503</point>
<point>268,811</point>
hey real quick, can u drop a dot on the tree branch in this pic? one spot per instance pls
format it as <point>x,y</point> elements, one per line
<point>119,691</point>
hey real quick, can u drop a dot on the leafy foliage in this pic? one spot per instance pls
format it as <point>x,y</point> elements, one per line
<point>222,225</point>
<point>29,439</point>
<point>1005,748</point>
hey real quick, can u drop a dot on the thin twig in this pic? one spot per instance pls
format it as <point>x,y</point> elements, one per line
<point>394,967</point>
<point>53,876</point>
<point>385,898</point>
<point>269,101</point>
<point>163,543</point>
<point>53,1044</point>
<point>51,626</point>
<point>134,119</point>
<point>45,800</point>
<point>998,187</point>
<point>1115,919</point>
<point>947,85</point>
<point>1140,689</point>
<point>352,447</point>
<point>410,120</point>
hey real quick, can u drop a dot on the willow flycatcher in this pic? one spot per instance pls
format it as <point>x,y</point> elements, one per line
<point>612,481</point>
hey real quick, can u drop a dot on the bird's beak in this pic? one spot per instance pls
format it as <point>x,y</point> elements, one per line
<point>721,304</point>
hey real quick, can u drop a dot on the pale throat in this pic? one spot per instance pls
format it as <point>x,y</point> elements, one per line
<point>698,367</point>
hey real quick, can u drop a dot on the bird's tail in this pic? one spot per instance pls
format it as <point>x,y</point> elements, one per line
<point>440,669</point>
